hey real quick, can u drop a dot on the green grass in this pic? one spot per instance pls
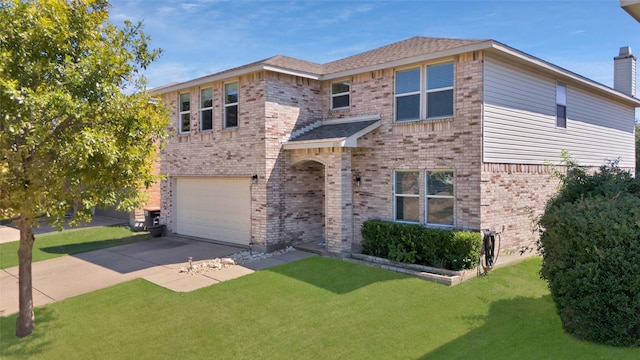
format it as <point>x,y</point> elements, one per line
<point>52,245</point>
<point>316,308</point>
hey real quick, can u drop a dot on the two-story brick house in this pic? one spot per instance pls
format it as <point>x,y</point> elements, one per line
<point>442,132</point>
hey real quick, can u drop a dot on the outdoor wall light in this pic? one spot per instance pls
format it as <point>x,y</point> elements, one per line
<point>358,181</point>
<point>254,179</point>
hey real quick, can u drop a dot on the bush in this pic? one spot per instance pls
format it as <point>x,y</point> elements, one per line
<point>590,242</point>
<point>416,244</point>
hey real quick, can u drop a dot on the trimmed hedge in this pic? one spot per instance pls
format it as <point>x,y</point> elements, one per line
<point>590,242</point>
<point>416,244</point>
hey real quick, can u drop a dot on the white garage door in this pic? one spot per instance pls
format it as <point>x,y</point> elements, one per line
<point>214,208</point>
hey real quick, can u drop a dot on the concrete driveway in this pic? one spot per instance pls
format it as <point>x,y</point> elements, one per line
<point>157,260</point>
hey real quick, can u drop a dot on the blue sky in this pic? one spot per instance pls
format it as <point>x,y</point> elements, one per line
<point>201,37</point>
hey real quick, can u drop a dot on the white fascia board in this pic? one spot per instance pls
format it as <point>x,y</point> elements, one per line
<point>291,72</point>
<point>228,75</point>
<point>312,144</point>
<point>564,73</point>
<point>411,60</point>
<point>207,79</point>
<point>352,141</point>
<point>351,119</point>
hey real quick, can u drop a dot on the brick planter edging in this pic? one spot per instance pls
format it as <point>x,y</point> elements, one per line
<point>442,276</point>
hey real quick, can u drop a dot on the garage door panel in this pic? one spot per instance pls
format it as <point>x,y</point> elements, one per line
<point>214,208</point>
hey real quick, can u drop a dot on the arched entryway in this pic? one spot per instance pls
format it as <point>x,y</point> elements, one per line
<point>320,168</point>
<point>305,202</point>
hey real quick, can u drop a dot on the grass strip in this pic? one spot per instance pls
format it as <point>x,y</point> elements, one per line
<point>74,241</point>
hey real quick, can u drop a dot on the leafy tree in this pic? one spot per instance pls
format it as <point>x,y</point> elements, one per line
<point>77,127</point>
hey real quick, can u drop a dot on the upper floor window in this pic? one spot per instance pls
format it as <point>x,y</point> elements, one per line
<point>439,197</point>
<point>434,100</point>
<point>406,196</point>
<point>185,113</point>
<point>561,105</point>
<point>440,90</point>
<point>206,109</point>
<point>408,95</point>
<point>340,95</point>
<point>231,105</point>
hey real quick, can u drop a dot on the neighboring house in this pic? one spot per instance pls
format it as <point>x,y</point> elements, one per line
<point>136,218</point>
<point>442,132</point>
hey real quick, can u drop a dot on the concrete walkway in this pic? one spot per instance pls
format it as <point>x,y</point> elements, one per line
<point>157,260</point>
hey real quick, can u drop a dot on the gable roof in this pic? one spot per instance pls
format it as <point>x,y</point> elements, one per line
<point>335,133</point>
<point>414,50</point>
<point>406,49</point>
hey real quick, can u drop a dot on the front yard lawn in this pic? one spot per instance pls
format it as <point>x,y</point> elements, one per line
<point>317,308</point>
<point>73,241</point>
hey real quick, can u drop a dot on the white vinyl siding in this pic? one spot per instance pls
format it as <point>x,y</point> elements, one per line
<point>520,121</point>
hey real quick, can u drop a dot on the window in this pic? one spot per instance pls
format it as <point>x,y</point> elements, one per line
<point>340,97</point>
<point>561,105</point>
<point>440,90</point>
<point>406,196</point>
<point>433,101</point>
<point>408,95</point>
<point>185,113</point>
<point>231,105</point>
<point>439,197</point>
<point>206,109</point>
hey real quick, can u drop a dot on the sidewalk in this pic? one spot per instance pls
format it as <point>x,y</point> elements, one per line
<point>157,260</point>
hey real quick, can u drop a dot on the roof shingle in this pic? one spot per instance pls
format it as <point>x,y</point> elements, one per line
<point>334,131</point>
<point>400,50</point>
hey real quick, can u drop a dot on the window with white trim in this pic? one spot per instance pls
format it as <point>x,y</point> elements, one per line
<point>424,92</point>
<point>406,196</point>
<point>206,109</point>
<point>185,113</point>
<point>340,95</point>
<point>408,95</point>
<point>439,203</point>
<point>440,91</point>
<point>231,105</point>
<point>561,105</point>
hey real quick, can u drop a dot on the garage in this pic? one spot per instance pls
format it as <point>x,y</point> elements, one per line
<point>214,208</point>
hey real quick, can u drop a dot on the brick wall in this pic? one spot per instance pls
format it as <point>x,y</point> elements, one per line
<point>304,213</point>
<point>448,144</point>
<point>309,195</point>
<point>270,107</point>
<point>222,152</point>
<point>336,195</point>
<point>291,103</point>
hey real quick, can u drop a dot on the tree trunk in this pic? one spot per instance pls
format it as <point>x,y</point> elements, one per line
<point>26,319</point>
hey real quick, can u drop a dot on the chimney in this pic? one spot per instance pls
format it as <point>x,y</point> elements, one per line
<point>624,71</point>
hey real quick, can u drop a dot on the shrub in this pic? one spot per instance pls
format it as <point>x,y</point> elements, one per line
<point>416,244</point>
<point>590,242</point>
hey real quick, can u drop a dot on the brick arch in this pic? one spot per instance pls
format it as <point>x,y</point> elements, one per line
<point>309,158</point>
